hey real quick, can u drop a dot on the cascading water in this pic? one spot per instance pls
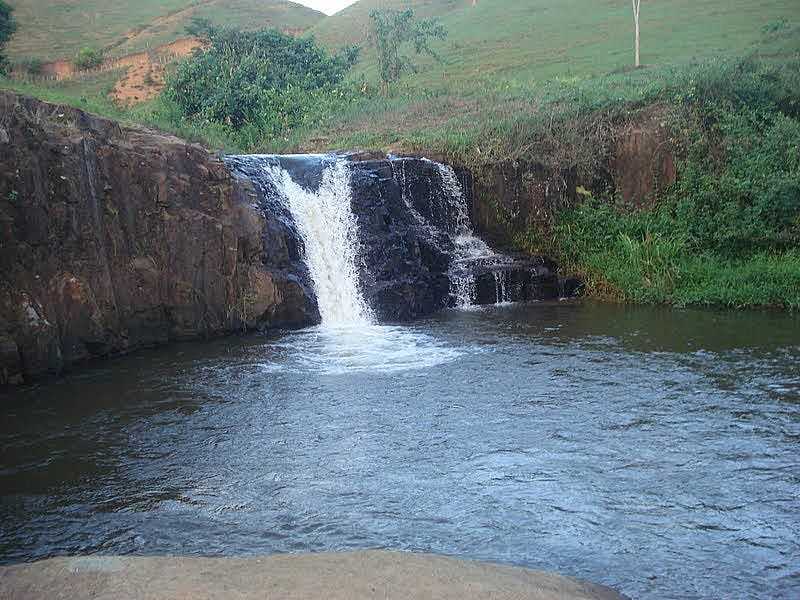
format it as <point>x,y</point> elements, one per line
<point>470,249</point>
<point>315,193</point>
<point>501,286</point>
<point>362,240</point>
<point>328,228</point>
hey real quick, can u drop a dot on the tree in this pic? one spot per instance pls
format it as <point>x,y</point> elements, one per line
<point>394,29</point>
<point>8,26</point>
<point>637,4</point>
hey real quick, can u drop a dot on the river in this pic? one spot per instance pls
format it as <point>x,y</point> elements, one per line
<point>653,450</point>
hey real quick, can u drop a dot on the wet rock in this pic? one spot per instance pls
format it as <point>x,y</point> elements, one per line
<point>115,239</point>
<point>405,260</point>
<point>570,287</point>
<point>519,280</point>
<point>10,362</point>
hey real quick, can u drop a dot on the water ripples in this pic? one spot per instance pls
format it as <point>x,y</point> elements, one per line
<point>650,450</point>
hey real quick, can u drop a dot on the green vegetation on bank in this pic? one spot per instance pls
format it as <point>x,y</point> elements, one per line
<point>8,25</point>
<point>256,85</point>
<point>728,231</point>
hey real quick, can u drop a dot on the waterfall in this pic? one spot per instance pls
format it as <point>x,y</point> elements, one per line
<point>328,228</point>
<point>501,286</point>
<point>469,247</point>
<point>370,239</point>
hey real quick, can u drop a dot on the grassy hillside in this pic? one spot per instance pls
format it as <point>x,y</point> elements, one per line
<point>56,30</point>
<point>513,41</point>
<point>351,25</point>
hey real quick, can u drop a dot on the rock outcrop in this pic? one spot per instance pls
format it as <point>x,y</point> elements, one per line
<point>113,239</point>
<point>329,576</point>
<point>406,256</point>
<point>636,163</point>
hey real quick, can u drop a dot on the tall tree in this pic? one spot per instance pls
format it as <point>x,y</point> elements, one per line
<point>637,4</point>
<point>395,29</point>
<point>7,28</point>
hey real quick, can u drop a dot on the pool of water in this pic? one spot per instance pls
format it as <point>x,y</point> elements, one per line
<point>653,450</point>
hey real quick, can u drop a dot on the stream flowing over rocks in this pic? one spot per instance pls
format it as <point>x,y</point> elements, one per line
<point>114,239</point>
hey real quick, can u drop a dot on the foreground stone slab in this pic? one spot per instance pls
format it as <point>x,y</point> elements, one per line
<point>347,576</point>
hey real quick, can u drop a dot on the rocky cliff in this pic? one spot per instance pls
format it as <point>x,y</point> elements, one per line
<point>632,161</point>
<point>113,239</point>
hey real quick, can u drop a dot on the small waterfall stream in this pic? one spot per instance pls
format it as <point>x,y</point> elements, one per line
<point>470,249</point>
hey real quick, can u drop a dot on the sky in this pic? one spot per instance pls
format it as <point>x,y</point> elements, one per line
<point>327,6</point>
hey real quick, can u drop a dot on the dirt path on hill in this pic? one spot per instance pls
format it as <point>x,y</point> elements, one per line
<point>145,74</point>
<point>347,576</point>
<point>145,71</point>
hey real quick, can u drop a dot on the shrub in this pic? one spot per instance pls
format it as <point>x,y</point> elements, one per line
<point>8,26</point>
<point>391,31</point>
<point>259,83</point>
<point>728,231</point>
<point>31,66</point>
<point>88,58</point>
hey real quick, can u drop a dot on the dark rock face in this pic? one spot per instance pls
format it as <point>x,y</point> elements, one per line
<point>524,279</point>
<point>281,245</point>
<point>114,239</point>
<point>407,219</point>
<point>405,259</point>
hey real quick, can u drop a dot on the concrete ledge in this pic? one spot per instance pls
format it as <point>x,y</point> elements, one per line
<point>346,576</point>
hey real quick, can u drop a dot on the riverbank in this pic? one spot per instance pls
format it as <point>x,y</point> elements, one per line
<point>346,576</point>
<point>667,185</point>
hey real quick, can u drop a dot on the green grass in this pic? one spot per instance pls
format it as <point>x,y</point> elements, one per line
<point>501,41</point>
<point>508,66</point>
<point>58,29</point>
<point>762,279</point>
<point>351,25</point>
<point>88,92</point>
<point>243,14</point>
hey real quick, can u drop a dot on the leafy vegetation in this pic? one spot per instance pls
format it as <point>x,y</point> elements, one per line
<point>8,26</point>
<point>728,231</point>
<point>258,84</point>
<point>395,29</point>
<point>88,58</point>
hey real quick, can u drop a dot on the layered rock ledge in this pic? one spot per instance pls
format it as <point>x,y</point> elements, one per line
<point>347,576</point>
<point>113,239</point>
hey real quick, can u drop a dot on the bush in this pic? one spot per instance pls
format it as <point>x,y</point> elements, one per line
<point>8,26</point>
<point>259,83</point>
<point>728,231</point>
<point>31,66</point>
<point>88,58</point>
